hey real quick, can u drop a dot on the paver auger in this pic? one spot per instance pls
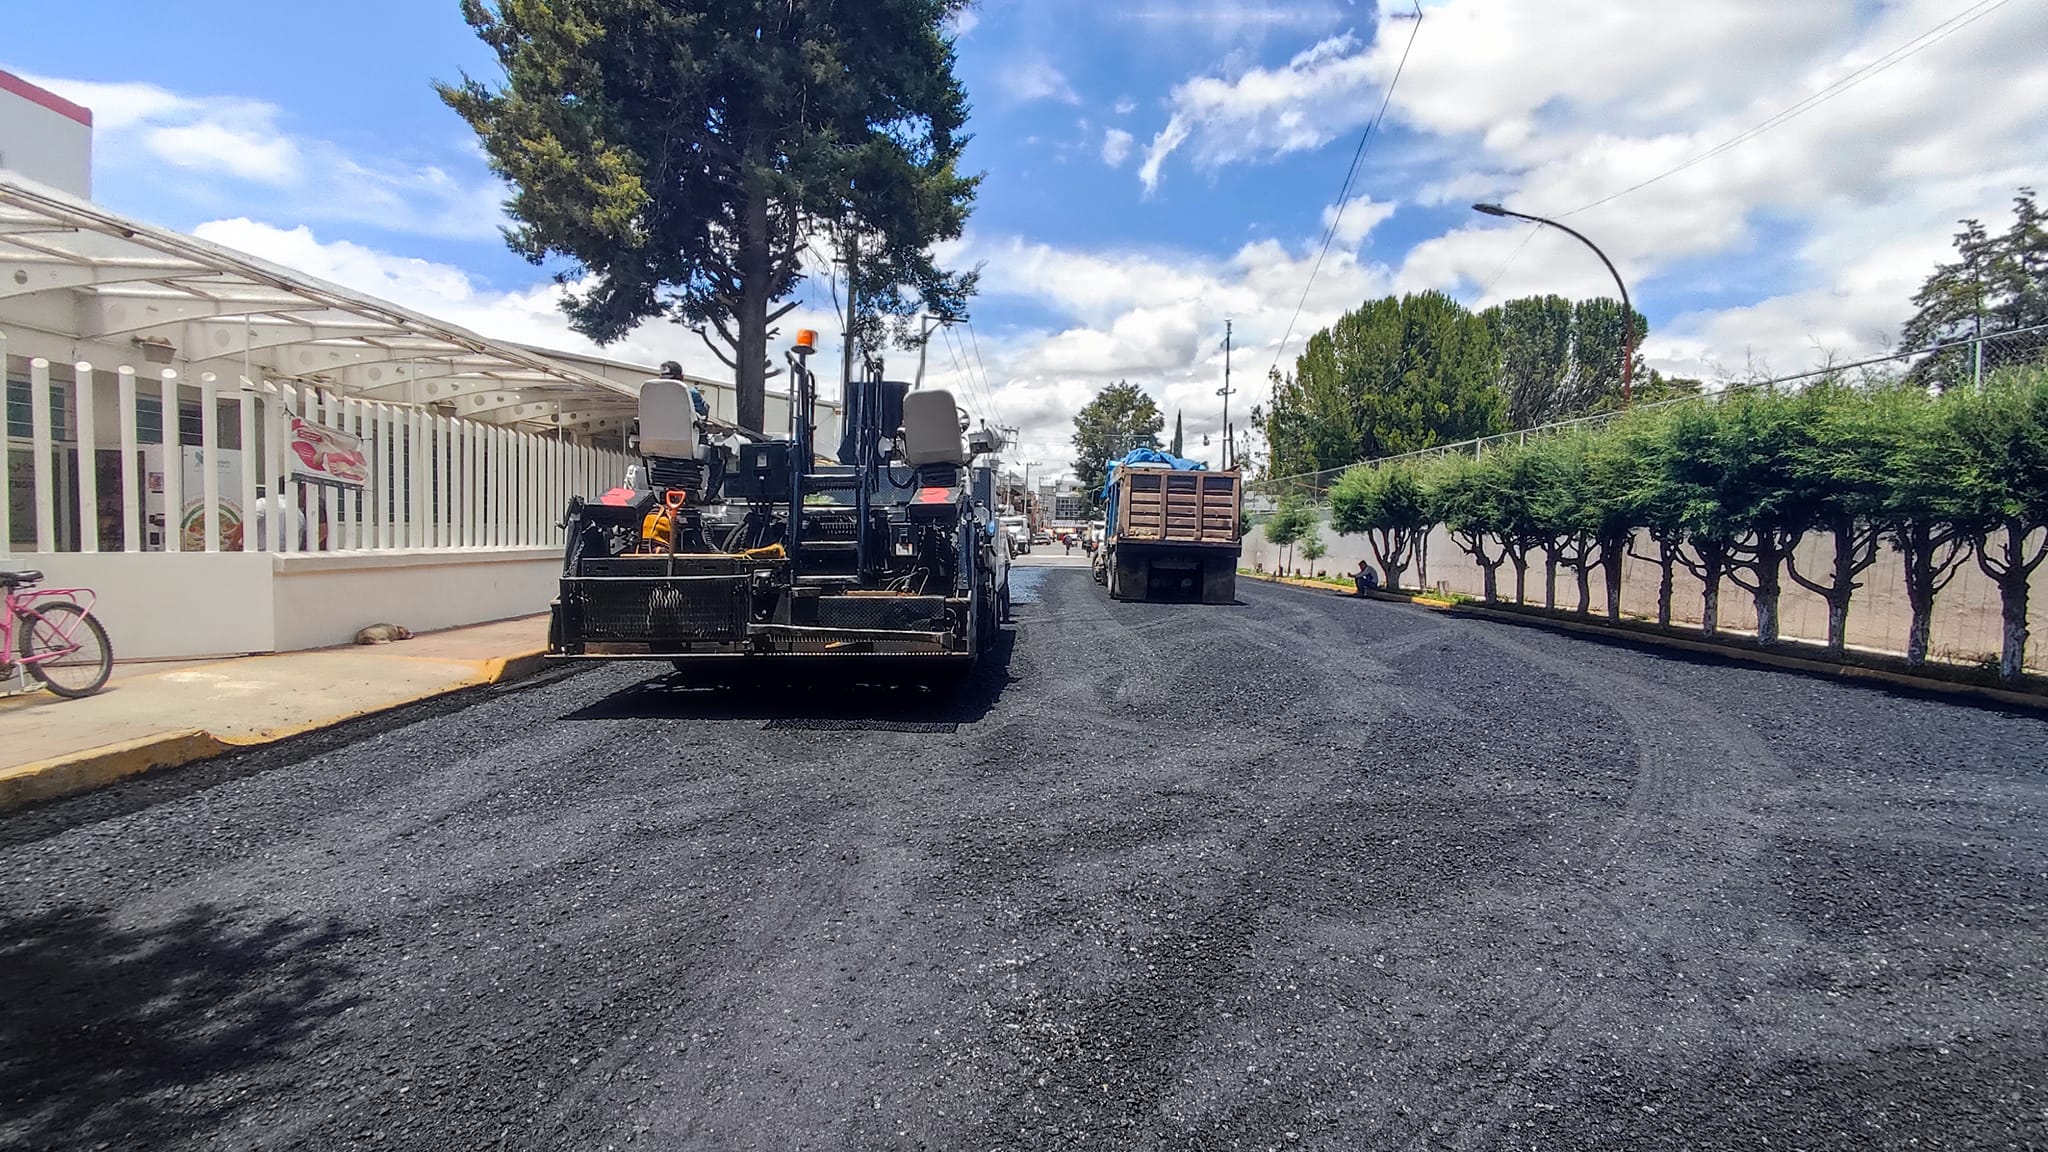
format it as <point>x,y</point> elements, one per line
<point>729,555</point>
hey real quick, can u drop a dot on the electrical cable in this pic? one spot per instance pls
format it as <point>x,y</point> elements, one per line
<point>1344,192</point>
<point>988,390</point>
<point>1910,48</point>
<point>965,391</point>
<point>1505,264</point>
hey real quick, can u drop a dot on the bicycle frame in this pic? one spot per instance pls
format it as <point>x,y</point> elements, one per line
<point>26,600</point>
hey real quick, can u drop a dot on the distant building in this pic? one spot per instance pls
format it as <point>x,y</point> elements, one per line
<point>1070,508</point>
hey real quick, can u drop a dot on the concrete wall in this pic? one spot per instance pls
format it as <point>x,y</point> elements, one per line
<point>170,604</point>
<point>162,605</point>
<point>45,137</point>
<point>1965,625</point>
<point>323,599</point>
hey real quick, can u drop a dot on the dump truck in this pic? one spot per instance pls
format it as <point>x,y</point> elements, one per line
<point>1170,530</point>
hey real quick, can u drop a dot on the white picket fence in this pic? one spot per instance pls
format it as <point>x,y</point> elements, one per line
<point>436,482</point>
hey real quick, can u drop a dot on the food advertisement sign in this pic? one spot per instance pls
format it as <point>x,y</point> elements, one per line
<point>322,455</point>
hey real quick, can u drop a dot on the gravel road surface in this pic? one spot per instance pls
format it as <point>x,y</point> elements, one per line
<point>1302,873</point>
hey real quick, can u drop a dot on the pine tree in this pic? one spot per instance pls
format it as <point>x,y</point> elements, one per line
<point>684,157</point>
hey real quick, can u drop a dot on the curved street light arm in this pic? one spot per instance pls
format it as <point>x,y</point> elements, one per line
<point>1628,318</point>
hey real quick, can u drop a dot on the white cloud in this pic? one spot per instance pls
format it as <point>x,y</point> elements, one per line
<point>1155,318</point>
<point>210,146</point>
<point>1233,21</point>
<point>1126,107</point>
<point>1116,147</point>
<point>962,22</point>
<point>1500,98</point>
<point>1267,112</point>
<point>1032,77</point>
<point>1358,217</point>
<point>528,315</point>
<point>228,139</point>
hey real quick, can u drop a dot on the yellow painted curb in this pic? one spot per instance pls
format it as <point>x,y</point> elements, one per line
<point>1308,585</point>
<point>506,669</point>
<point>83,771</point>
<point>96,767</point>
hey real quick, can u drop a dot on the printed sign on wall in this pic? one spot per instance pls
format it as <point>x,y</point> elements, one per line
<point>323,455</point>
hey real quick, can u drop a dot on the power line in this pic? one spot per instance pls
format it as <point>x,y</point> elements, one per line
<point>1344,192</point>
<point>1916,45</point>
<point>980,365</point>
<point>1505,264</point>
<point>970,393</point>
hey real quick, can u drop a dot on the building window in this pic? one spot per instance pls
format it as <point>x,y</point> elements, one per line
<point>21,416</point>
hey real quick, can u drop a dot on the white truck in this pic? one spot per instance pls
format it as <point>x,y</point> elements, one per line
<point>1018,529</point>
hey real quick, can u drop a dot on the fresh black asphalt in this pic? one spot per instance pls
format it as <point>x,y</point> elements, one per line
<point>1301,873</point>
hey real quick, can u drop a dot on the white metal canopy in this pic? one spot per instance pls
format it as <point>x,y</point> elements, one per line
<point>178,296</point>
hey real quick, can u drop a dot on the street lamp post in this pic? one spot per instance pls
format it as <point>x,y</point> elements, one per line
<point>1628,316</point>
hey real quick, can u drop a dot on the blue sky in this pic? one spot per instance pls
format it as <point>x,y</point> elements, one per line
<point>1155,167</point>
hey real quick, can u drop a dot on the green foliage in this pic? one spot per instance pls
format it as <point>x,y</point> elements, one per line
<point>684,156</point>
<point>1534,335</point>
<point>1394,376</point>
<point>1560,359</point>
<point>1119,419</point>
<point>1312,546</point>
<point>1995,284</point>
<point>1390,506</point>
<point>1729,489</point>
<point>1293,520</point>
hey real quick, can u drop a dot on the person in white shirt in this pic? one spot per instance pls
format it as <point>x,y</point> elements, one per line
<point>259,538</point>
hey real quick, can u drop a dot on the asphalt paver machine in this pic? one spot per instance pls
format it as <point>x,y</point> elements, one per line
<point>734,556</point>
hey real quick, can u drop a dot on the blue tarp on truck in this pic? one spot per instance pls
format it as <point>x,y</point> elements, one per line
<point>1141,456</point>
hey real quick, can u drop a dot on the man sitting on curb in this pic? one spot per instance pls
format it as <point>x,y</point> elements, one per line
<point>1366,579</point>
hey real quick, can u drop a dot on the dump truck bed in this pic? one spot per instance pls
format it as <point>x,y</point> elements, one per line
<point>1174,534</point>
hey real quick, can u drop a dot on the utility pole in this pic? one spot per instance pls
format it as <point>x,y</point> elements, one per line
<point>1225,393</point>
<point>926,325</point>
<point>1002,468</point>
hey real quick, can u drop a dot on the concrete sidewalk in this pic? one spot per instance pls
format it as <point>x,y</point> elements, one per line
<point>160,715</point>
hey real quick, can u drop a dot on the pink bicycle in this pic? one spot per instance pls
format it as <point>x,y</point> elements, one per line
<point>57,640</point>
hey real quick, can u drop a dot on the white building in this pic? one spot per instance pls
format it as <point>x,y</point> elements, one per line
<point>160,389</point>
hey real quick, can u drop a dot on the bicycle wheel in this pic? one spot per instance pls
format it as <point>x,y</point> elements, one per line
<point>75,656</point>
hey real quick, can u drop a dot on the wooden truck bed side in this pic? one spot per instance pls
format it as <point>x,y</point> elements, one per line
<point>1159,505</point>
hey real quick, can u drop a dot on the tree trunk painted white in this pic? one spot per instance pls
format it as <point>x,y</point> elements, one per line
<point>1921,625</point>
<point>1838,627</point>
<point>2012,606</point>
